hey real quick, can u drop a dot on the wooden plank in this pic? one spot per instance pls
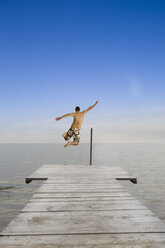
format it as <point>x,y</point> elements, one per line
<point>81,199</point>
<point>111,192</point>
<point>79,222</point>
<point>79,187</point>
<point>83,184</point>
<point>78,182</point>
<point>74,167</point>
<point>133,240</point>
<point>101,185</point>
<point>71,179</point>
<point>64,175</point>
<point>72,205</point>
<point>51,190</point>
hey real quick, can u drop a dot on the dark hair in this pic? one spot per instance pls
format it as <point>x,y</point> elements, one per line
<point>77,108</point>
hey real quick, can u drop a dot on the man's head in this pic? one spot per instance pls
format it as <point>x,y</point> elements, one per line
<point>77,108</point>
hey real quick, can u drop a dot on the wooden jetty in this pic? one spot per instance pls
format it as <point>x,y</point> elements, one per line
<point>83,207</point>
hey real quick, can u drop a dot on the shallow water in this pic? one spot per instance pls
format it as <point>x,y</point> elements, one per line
<point>145,161</point>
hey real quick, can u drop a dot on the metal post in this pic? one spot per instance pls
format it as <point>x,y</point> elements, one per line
<point>91,146</point>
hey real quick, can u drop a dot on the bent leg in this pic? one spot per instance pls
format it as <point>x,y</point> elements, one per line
<point>65,136</point>
<point>68,134</point>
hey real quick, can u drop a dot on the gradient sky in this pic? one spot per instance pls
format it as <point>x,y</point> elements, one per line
<point>55,55</point>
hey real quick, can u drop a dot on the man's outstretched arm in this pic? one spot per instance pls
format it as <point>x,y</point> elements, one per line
<point>59,118</point>
<point>91,107</point>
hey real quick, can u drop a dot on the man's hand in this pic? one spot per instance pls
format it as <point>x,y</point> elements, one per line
<point>91,107</point>
<point>67,115</point>
<point>58,118</point>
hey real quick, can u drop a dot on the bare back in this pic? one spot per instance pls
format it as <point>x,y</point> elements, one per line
<point>78,119</point>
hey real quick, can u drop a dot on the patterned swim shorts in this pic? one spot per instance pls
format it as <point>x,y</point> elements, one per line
<point>73,132</point>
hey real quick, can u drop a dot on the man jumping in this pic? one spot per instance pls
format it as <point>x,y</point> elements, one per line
<point>74,130</point>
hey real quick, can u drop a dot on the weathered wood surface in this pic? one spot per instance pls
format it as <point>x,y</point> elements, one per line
<point>84,222</point>
<point>122,240</point>
<point>77,209</point>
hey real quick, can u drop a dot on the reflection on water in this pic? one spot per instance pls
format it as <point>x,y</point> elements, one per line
<point>145,161</point>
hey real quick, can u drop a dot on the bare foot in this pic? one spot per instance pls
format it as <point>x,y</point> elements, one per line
<point>68,144</point>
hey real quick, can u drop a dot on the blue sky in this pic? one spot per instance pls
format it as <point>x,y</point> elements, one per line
<point>59,54</point>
